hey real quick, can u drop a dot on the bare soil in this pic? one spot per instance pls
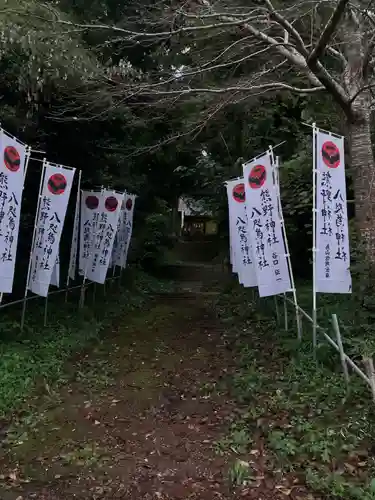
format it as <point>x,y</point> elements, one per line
<point>139,416</point>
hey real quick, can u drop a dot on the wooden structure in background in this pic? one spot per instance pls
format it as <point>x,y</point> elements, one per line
<point>197,222</point>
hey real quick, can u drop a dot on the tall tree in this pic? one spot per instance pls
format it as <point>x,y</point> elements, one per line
<point>220,53</point>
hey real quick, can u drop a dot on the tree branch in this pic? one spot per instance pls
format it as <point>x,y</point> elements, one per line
<point>256,23</point>
<point>338,54</point>
<point>207,67</point>
<point>293,56</point>
<point>313,68</point>
<point>362,89</point>
<point>327,33</point>
<point>288,27</point>
<point>266,86</point>
<point>136,35</point>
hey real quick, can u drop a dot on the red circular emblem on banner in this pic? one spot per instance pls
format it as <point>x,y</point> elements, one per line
<point>129,204</point>
<point>239,193</point>
<point>12,159</point>
<point>92,202</point>
<point>331,154</point>
<point>257,177</point>
<point>111,203</point>
<point>56,184</point>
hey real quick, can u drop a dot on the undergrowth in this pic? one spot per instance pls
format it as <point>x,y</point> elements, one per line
<point>311,425</point>
<point>35,359</point>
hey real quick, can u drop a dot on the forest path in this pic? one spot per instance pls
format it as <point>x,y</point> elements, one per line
<point>142,415</point>
<point>140,418</point>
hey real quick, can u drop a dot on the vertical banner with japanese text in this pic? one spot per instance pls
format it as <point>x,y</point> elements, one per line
<point>271,265</point>
<point>232,256</point>
<point>242,251</point>
<point>332,236</point>
<point>12,173</point>
<point>57,184</point>
<point>55,278</point>
<point>89,220</point>
<point>110,265</point>
<point>232,238</point>
<point>75,236</point>
<point>121,223</point>
<point>109,211</point>
<point>125,231</point>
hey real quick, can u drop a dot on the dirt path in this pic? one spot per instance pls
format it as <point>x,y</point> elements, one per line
<point>139,420</point>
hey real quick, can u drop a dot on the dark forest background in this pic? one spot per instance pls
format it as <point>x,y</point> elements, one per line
<point>55,97</point>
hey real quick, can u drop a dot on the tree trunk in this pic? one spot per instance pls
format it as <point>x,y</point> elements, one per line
<point>362,159</point>
<point>363,172</point>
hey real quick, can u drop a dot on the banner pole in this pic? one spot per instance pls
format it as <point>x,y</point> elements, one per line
<point>129,237</point>
<point>277,310</point>
<point>314,241</point>
<point>286,243</point>
<point>32,245</point>
<point>82,294</point>
<point>114,260</point>
<point>76,216</point>
<point>286,322</point>
<point>45,311</point>
<point>120,278</point>
<point>58,282</point>
<point>345,370</point>
<point>113,277</point>
<point>117,235</point>
<point>83,286</point>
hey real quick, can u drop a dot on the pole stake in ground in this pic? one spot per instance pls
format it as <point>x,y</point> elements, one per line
<point>277,310</point>
<point>344,365</point>
<point>314,241</point>
<point>369,364</point>
<point>82,296</point>
<point>286,322</point>
<point>45,311</point>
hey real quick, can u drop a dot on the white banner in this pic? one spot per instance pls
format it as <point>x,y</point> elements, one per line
<point>265,227</point>
<point>232,239</point>
<point>115,256</point>
<point>55,278</point>
<point>332,237</point>
<point>57,184</point>
<point>232,257</point>
<point>129,208</point>
<point>125,231</point>
<point>12,174</point>
<point>75,237</point>
<point>90,201</point>
<point>242,251</point>
<point>119,248</point>
<point>109,211</point>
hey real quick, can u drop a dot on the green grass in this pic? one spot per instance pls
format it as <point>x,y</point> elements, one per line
<point>356,318</point>
<point>311,425</point>
<point>34,360</point>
